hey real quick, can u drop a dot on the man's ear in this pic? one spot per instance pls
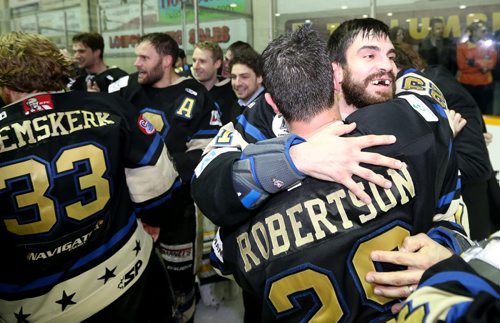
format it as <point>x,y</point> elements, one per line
<point>260,80</point>
<point>271,102</point>
<point>338,76</point>
<point>168,61</point>
<point>218,64</point>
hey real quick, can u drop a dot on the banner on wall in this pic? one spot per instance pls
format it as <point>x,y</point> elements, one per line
<point>223,32</point>
<point>170,10</point>
<point>416,22</point>
<point>125,16</point>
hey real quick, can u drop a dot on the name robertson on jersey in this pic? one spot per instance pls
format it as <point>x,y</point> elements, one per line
<point>16,135</point>
<point>309,221</point>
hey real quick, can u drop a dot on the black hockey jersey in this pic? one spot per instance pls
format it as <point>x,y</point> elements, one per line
<point>103,80</point>
<point>462,288</point>
<point>182,113</point>
<point>279,254</point>
<point>226,101</point>
<point>74,168</point>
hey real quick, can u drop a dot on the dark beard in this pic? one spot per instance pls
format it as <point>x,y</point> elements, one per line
<point>154,75</point>
<point>355,92</point>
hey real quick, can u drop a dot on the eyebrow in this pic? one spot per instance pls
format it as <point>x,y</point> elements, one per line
<point>369,47</point>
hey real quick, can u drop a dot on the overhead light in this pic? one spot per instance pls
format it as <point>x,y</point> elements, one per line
<point>365,16</point>
<point>462,6</point>
<point>277,14</point>
<point>307,21</point>
<point>389,14</point>
<point>408,20</point>
<point>343,7</point>
<point>233,5</point>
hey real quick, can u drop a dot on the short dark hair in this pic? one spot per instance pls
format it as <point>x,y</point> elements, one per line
<point>238,46</point>
<point>250,58</point>
<point>343,37</point>
<point>163,43</point>
<point>298,74</point>
<point>94,41</point>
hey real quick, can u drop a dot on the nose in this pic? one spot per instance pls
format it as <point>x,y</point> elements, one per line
<point>387,65</point>
<point>196,64</point>
<point>137,62</point>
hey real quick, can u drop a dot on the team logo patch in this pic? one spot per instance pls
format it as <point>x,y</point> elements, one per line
<point>145,126</point>
<point>215,118</point>
<point>42,102</point>
<point>279,126</point>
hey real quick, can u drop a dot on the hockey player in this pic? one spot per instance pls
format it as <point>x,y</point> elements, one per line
<point>463,288</point>
<point>264,249</point>
<point>207,60</point>
<point>95,76</point>
<point>75,168</point>
<point>182,112</point>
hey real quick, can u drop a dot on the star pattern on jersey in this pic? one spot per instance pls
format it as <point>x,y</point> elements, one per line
<point>21,317</point>
<point>66,300</point>
<point>108,275</point>
<point>137,247</point>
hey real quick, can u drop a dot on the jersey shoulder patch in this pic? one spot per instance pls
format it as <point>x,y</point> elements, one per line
<point>418,84</point>
<point>419,106</point>
<point>119,84</point>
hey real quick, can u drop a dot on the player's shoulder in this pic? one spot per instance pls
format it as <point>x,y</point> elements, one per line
<point>123,82</point>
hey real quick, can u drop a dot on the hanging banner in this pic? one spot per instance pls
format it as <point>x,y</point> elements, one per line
<point>170,10</point>
<point>223,32</point>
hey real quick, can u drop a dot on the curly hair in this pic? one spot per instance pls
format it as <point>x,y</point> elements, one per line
<point>32,63</point>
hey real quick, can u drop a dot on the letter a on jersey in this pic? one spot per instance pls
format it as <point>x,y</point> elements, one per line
<point>186,109</point>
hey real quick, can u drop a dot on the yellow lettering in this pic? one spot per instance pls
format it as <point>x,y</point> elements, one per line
<point>44,128</point>
<point>55,121</point>
<point>296,225</point>
<point>186,108</point>
<point>246,251</point>
<point>319,217</point>
<point>72,121</point>
<point>22,130</point>
<point>3,138</point>
<point>337,198</point>
<point>88,120</point>
<point>102,118</point>
<point>380,201</point>
<point>276,232</point>
<point>403,184</point>
<point>263,247</point>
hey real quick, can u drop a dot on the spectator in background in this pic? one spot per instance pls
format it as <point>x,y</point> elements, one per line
<point>95,75</point>
<point>400,36</point>
<point>232,50</point>
<point>476,59</point>
<point>435,49</point>
<point>181,65</point>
